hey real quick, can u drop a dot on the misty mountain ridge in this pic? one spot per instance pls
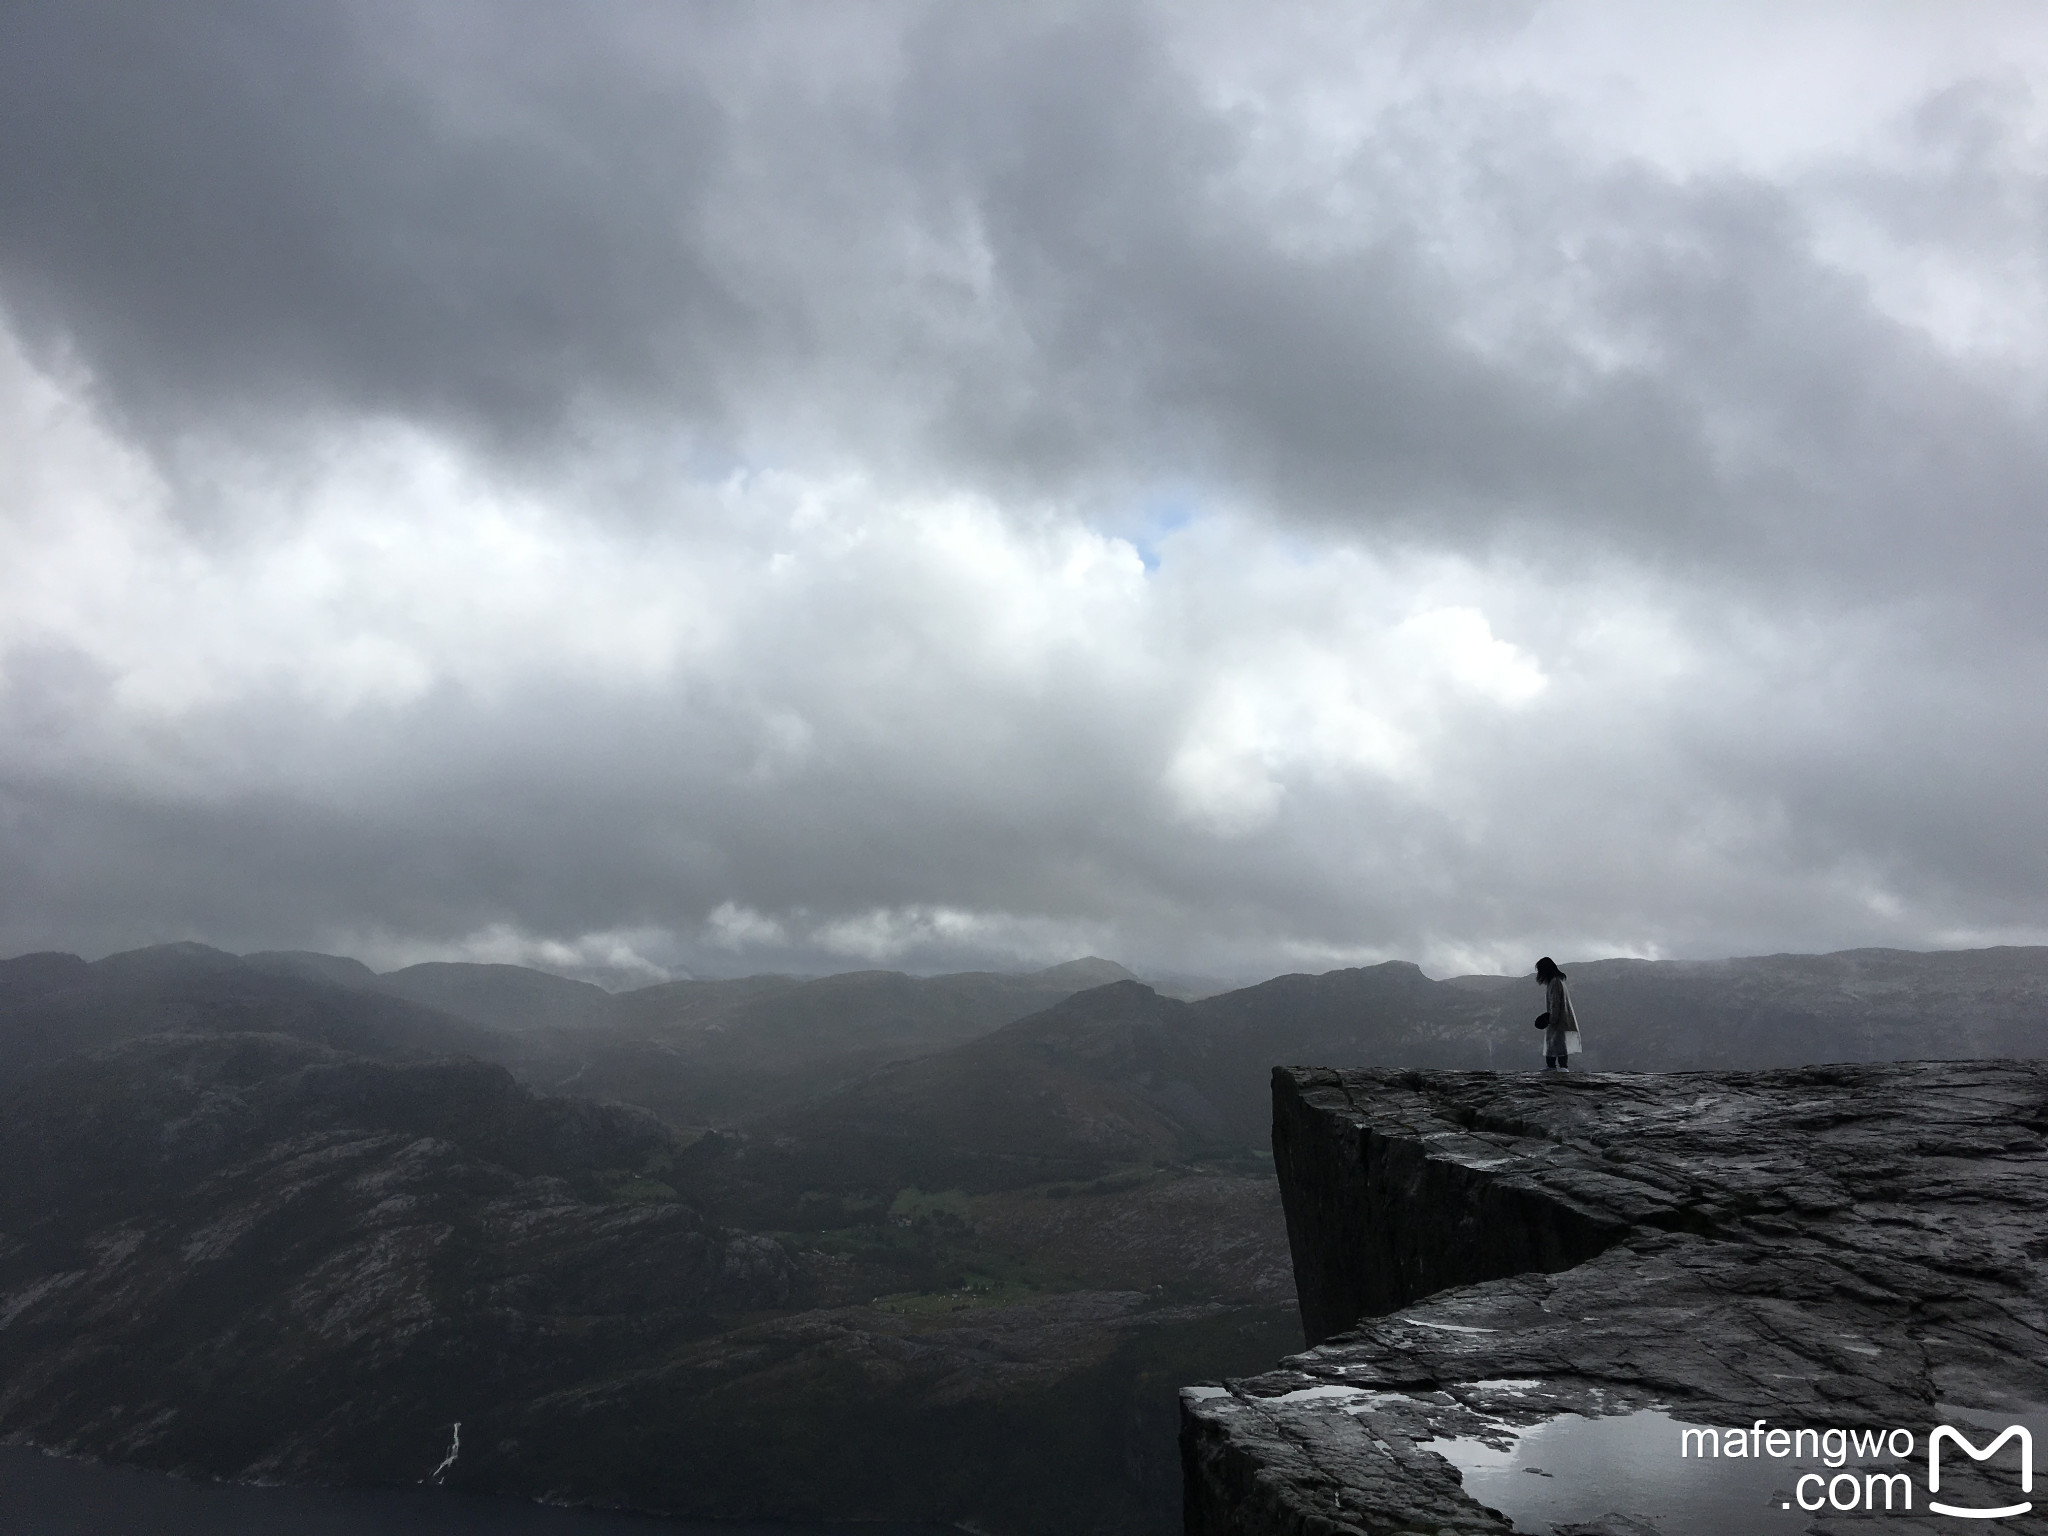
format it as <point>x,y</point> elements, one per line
<point>815,1034</point>
<point>814,1238</point>
<point>54,1005</point>
<point>858,1085</point>
<point>1119,1075</point>
<point>700,1052</point>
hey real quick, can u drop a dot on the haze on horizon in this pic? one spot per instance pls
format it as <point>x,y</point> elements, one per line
<point>1230,489</point>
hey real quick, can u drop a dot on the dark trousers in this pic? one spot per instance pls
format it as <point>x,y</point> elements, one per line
<point>1554,1064</point>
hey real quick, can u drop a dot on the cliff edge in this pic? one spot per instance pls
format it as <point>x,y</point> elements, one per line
<point>1479,1256</point>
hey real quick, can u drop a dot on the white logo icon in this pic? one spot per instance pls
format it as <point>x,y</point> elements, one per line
<point>1943,1432</point>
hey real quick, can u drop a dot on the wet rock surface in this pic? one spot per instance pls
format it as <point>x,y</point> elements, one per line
<point>1831,1246</point>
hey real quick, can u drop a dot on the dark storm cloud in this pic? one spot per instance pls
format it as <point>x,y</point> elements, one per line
<point>505,216</point>
<point>1658,446</point>
<point>244,205</point>
<point>1820,823</point>
<point>1765,416</point>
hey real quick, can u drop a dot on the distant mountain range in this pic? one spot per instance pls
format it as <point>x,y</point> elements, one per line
<point>700,1052</point>
<point>870,1246</point>
<point>863,1083</point>
<point>53,1005</point>
<point>1119,1075</point>
<point>988,1080</point>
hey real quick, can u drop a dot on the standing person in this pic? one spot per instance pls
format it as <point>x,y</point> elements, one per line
<point>1562,1021</point>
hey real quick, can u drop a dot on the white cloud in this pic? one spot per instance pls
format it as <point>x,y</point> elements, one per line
<point>617,959</point>
<point>734,927</point>
<point>1604,491</point>
<point>892,934</point>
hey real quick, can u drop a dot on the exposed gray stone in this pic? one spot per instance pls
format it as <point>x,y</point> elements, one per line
<point>1826,1246</point>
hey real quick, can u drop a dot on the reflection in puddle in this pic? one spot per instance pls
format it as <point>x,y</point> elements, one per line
<point>1571,1469</point>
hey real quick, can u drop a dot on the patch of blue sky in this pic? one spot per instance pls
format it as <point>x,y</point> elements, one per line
<point>703,458</point>
<point>1158,519</point>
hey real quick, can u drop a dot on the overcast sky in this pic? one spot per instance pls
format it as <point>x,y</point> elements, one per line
<point>1233,488</point>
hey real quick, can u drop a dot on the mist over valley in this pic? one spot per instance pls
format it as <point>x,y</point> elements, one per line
<point>802,763</point>
<point>866,1246</point>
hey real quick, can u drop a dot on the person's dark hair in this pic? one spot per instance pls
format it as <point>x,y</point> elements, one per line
<point>1547,968</point>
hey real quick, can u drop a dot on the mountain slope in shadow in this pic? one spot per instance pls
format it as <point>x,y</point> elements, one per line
<point>52,1006</point>
<point>698,1052</point>
<point>507,997</point>
<point>772,1046</point>
<point>714,1052</point>
<point>253,1256</point>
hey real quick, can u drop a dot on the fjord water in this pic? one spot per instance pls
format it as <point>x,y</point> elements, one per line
<point>49,1496</point>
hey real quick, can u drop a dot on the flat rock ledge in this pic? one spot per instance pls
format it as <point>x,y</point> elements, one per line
<point>1826,1246</point>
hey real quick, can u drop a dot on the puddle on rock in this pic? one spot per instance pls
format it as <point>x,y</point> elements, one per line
<point>1574,1469</point>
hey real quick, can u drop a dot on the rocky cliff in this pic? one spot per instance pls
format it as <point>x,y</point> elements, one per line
<point>1480,1256</point>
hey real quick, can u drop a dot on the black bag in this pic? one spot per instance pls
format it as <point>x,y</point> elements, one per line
<point>1543,1021</point>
